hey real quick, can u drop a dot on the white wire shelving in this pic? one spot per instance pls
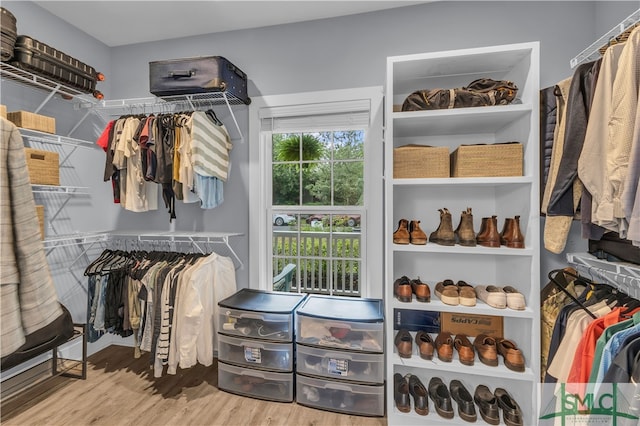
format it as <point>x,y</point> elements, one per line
<point>622,275</point>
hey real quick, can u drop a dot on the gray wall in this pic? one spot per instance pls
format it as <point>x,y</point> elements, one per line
<point>325,54</point>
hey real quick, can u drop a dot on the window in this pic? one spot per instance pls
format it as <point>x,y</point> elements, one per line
<point>315,186</point>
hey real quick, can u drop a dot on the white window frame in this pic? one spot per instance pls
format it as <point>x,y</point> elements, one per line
<point>260,226</point>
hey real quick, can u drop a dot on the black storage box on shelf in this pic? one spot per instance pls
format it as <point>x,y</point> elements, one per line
<point>613,248</point>
<point>203,74</point>
<point>8,29</point>
<point>49,62</point>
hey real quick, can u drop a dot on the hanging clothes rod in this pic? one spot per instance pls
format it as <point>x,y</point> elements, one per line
<point>594,51</point>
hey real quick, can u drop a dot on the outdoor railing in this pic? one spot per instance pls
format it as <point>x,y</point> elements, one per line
<point>326,263</point>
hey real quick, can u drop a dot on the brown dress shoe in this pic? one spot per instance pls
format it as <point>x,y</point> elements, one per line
<point>466,293</point>
<point>425,345</point>
<point>513,358</point>
<point>447,291</point>
<point>416,234</point>
<point>465,235</point>
<point>444,235</point>
<point>487,349</point>
<point>444,346</point>
<point>401,235</point>
<point>490,237</point>
<point>421,290</point>
<point>402,289</point>
<point>513,237</point>
<point>463,345</point>
<point>404,343</point>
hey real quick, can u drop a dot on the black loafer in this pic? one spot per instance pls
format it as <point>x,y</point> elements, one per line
<point>441,398</point>
<point>466,409</point>
<point>487,405</point>
<point>419,394</point>
<point>401,393</point>
<point>511,412</point>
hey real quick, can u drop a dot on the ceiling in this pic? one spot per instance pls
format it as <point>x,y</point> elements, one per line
<point>118,23</point>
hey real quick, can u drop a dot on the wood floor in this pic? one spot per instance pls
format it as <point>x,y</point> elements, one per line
<point>120,391</point>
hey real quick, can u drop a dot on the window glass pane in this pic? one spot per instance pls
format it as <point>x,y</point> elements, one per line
<point>316,146</point>
<point>348,145</point>
<point>348,183</point>
<point>286,147</point>
<point>285,182</point>
<point>316,183</point>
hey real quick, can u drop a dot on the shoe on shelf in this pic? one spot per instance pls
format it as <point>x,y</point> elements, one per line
<point>401,393</point>
<point>467,294</point>
<point>463,345</point>
<point>487,405</point>
<point>464,233</point>
<point>513,357</point>
<point>444,346</point>
<point>421,290</point>
<point>488,235</point>
<point>401,235</point>
<point>403,290</point>
<point>492,295</point>
<point>460,394</point>
<point>425,344</point>
<point>416,234</point>
<point>444,235</point>
<point>487,349</point>
<point>447,291</point>
<point>515,299</point>
<point>420,395</point>
<point>511,235</point>
<point>441,397</point>
<point>511,412</point>
<point>404,343</point>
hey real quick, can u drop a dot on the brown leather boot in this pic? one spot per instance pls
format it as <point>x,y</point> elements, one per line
<point>444,234</point>
<point>490,238</point>
<point>416,235</point>
<point>513,238</point>
<point>401,235</point>
<point>506,229</point>
<point>465,235</point>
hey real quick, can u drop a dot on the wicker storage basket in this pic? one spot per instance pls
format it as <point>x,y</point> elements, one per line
<point>40,213</point>
<point>500,159</point>
<point>43,167</point>
<point>420,161</point>
<point>29,120</point>
<point>3,111</point>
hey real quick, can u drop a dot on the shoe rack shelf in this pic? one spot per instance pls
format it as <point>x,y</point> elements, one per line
<point>506,197</point>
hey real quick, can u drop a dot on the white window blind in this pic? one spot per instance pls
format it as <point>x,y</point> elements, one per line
<point>310,117</point>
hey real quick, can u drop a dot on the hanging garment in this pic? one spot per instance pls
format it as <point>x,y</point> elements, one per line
<point>548,119</point>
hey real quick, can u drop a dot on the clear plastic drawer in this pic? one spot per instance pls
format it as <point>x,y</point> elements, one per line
<point>256,383</point>
<point>364,400</point>
<point>255,353</point>
<point>335,364</point>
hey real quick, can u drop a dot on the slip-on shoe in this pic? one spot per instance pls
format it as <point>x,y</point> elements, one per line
<point>441,397</point>
<point>401,393</point>
<point>419,394</point>
<point>466,293</point>
<point>487,405</point>
<point>402,289</point>
<point>421,290</point>
<point>466,409</point>
<point>404,343</point>
<point>463,345</point>
<point>515,299</point>
<point>511,412</point>
<point>492,295</point>
<point>425,345</point>
<point>447,291</point>
<point>444,346</point>
<point>487,349</point>
<point>513,357</point>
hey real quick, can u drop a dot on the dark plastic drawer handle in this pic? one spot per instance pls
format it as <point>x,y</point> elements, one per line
<point>179,74</point>
<point>37,156</point>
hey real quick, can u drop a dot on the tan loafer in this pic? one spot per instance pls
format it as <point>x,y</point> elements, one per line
<point>447,291</point>
<point>513,358</point>
<point>466,293</point>
<point>492,295</point>
<point>515,299</point>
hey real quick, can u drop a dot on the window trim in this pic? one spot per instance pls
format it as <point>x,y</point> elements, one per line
<point>373,246</point>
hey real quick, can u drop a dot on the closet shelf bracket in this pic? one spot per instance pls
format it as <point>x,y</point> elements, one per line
<point>622,275</point>
<point>592,52</point>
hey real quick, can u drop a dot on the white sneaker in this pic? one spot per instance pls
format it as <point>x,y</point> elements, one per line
<point>515,299</point>
<point>492,295</point>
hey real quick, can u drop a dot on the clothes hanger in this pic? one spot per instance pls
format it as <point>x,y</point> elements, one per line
<point>564,290</point>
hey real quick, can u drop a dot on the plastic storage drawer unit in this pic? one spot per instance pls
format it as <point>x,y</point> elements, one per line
<point>335,364</point>
<point>364,400</point>
<point>259,314</point>
<point>255,353</point>
<point>256,383</point>
<point>341,322</point>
